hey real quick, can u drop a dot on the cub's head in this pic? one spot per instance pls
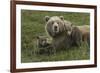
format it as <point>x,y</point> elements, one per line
<point>54,25</point>
<point>42,41</point>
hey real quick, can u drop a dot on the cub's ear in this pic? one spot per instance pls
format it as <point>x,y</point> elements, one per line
<point>61,17</point>
<point>47,18</point>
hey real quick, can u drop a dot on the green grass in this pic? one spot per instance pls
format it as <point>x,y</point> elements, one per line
<point>33,24</point>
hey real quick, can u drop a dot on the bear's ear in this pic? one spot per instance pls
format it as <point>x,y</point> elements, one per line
<point>47,18</point>
<point>61,17</point>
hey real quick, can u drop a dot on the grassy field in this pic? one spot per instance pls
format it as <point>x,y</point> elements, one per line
<point>33,24</point>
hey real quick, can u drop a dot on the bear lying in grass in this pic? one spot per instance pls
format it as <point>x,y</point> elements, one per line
<point>64,35</point>
<point>44,45</point>
<point>42,42</point>
<point>85,31</point>
<point>60,32</point>
<point>81,33</point>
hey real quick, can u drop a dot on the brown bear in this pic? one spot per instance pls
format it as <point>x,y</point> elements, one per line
<point>80,34</point>
<point>59,29</point>
<point>76,36</point>
<point>57,25</point>
<point>42,41</point>
<point>44,45</point>
<point>63,34</point>
<point>85,30</point>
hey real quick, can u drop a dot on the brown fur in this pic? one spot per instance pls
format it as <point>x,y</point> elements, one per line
<point>60,38</point>
<point>80,34</point>
<point>42,41</point>
<point>76,36</point>
<point>61,24</point>
<point>85,30</point>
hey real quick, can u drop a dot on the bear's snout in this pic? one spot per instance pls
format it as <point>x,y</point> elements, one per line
<point>55,28</point>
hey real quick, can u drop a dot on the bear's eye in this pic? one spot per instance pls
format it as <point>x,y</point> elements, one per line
<point>52,22</point>
<point>58,22</point>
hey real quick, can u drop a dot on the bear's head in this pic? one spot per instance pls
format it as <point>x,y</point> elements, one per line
<point>42,41</point>
<point>55,25</point>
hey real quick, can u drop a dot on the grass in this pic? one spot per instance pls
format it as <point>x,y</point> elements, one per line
<point>33,24</point>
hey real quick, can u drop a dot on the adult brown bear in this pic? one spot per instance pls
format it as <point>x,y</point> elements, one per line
<point>60,32</point>
<point>64,34</point>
